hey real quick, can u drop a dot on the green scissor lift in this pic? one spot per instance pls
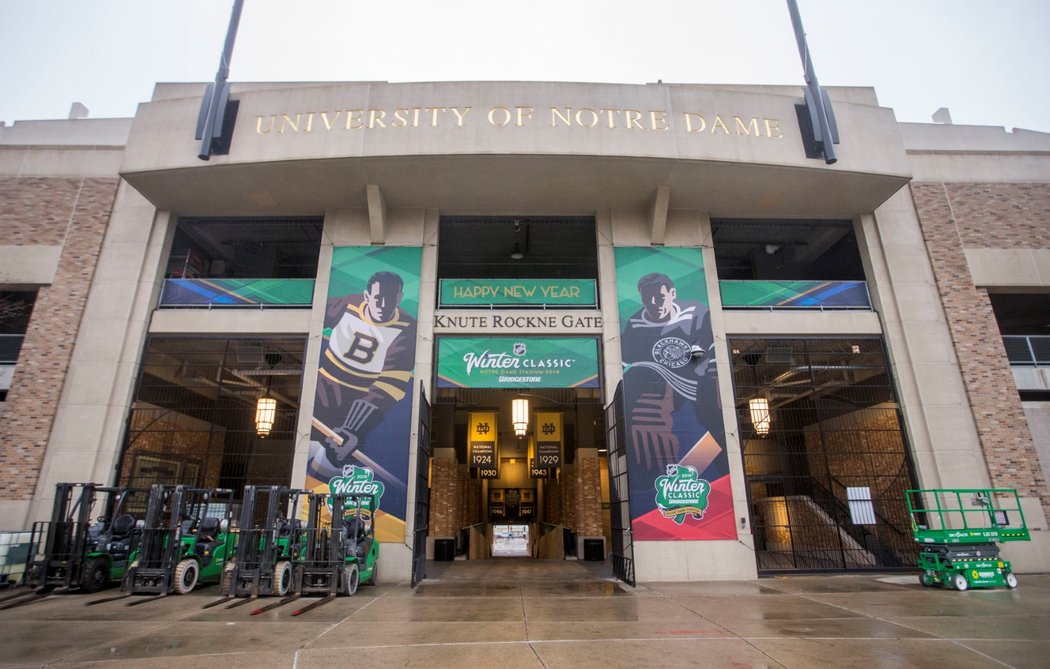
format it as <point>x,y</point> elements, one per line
<point>959,531</point>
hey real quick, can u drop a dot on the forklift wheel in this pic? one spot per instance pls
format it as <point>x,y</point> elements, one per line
<point>1011,580</point>
<point>374,578</point>
<point>350,579</point>
<point>960,583</point>
<point>282,578</point>
<point>95,575</point>
<point>925,579</point>
<point>185,577</point>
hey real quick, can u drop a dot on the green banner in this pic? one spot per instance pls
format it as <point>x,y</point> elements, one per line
<point>795,294</point>
<point>495,362</point>
<point>236,292</point>
<point>518,292</point>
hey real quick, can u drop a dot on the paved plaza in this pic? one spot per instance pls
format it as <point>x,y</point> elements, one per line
<point>512,612</point>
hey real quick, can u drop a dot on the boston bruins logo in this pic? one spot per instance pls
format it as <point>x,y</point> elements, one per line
<point>671,352</point>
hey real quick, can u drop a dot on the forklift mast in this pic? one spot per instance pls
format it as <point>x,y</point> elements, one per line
<point>57,547</point>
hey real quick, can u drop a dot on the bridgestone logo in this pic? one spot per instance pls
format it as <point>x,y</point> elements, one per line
<point>519,379</point>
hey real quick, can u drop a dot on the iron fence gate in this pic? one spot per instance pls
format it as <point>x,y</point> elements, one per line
<point>421,520</point>
<point>619,495</point>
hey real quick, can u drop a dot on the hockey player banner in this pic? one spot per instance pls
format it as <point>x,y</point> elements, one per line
<point>363,402</point>
<point>481,440</point>
<point>677,465</point>
<point>548,439</point>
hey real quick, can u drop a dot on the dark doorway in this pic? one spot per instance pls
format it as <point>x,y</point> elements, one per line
<point>825,457</point>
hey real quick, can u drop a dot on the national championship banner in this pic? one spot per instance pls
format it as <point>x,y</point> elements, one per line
<point>482,446</point>
<point>676,460</point>
<point>504,362</point>
<point>549,440</point>
<point>361,427</point>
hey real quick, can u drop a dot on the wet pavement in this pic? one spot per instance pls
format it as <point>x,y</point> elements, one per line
<point>517,612</point>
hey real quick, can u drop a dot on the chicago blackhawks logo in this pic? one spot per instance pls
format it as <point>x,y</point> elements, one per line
<point>671,352</point>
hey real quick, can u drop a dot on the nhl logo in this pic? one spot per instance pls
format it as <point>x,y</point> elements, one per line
<point>519,348</point>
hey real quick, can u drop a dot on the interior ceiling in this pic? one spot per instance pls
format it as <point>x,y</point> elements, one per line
<point>809,238</point>
<point>482,247</point>
<point>565,185</point>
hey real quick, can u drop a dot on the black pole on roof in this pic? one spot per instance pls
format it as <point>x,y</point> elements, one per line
<point>217,113</point>
<point>818,111</point>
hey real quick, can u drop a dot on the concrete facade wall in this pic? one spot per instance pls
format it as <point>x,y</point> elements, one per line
<point>69,216</point>
<point>954,217</point>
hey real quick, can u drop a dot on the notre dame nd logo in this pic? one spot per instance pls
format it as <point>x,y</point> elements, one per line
<point>681,492</point>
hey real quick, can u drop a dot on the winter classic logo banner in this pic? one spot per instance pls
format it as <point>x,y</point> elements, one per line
<point>503,362</point>
<point>361,426</point>
<point>676,460</point>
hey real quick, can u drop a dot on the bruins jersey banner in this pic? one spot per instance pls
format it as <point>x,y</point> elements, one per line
<point>361,427</point>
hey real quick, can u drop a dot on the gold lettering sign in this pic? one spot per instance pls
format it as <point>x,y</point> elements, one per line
<point>519,116</point>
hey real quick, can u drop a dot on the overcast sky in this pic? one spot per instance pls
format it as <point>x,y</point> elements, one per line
<point>986,60</point>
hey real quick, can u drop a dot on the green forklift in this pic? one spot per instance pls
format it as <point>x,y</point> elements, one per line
<point>270,542</point>
<point>958,531</point>
<point>186,540</point>
<point>75,549</point>
<point>340,555</point>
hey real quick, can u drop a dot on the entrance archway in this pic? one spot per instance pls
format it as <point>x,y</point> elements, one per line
<point>518,508</point>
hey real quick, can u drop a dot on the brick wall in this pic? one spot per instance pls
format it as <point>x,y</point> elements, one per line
<point>72,213</point>
<point>588,498</point>
<point>954,217</point>
<point>444,497</point>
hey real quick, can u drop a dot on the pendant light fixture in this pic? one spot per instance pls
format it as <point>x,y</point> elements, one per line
<point>519,410</point>
<point>265,412</point>
<point>759,408</point>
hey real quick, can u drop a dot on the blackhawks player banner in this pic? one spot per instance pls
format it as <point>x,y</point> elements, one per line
<point>676,460</point>
<point>360,436</point>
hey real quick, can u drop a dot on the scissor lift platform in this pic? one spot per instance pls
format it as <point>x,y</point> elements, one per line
<point>959,530</point>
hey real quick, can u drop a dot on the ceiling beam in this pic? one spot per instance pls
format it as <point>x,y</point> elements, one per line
<point>658,214</point>
<point>376,213</point>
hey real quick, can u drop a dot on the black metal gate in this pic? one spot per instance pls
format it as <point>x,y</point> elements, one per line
<point>825,455</point>
<point>421,520</point>
<point>619,495</point>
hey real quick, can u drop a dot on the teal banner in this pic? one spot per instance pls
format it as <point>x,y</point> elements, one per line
<point>795,294</point>
<point>236,292</point>
<point>494,362</point>
<point>518,292</point>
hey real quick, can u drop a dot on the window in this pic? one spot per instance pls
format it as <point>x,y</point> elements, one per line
<point>15,309</point>
<point>193,419</point>
<point>245,248</point>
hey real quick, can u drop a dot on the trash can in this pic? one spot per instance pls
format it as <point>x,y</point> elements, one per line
<point>593,550</point>
<point>444,550</point>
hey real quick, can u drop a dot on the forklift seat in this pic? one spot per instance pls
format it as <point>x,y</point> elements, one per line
<point>208,529</point>
<point>122,525</point>
<point>356,536</point>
